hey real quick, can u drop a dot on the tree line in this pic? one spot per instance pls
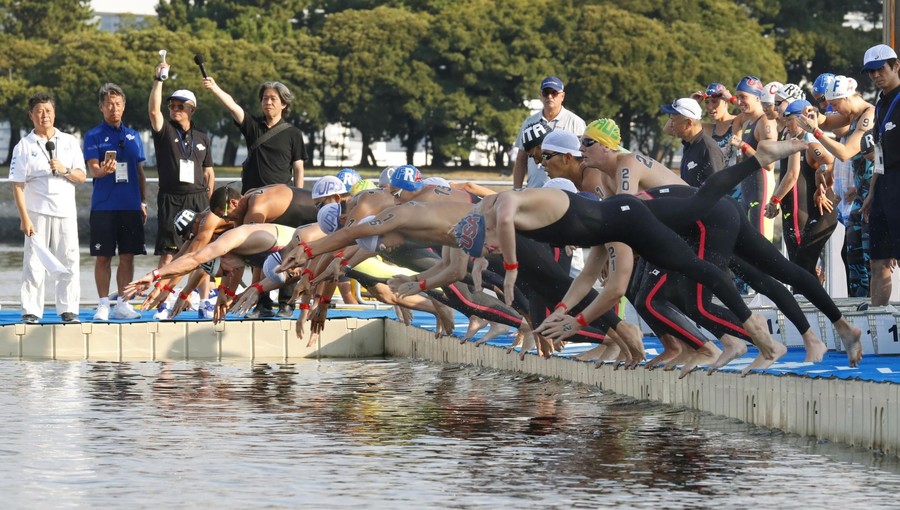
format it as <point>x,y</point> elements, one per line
<point>445,73</point>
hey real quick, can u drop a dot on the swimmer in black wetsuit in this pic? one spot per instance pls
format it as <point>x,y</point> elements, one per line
<point>561,218</point>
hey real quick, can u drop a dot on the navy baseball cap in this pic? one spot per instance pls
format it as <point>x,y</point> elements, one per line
<point>552,82</point>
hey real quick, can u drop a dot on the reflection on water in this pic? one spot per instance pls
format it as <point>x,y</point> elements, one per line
<point>389,434</point>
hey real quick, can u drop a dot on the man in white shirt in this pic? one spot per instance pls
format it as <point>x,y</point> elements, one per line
<point>45,167</point>
<point>556,117</point>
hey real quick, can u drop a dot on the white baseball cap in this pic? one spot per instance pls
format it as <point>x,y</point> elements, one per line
<point>877,56</point>
<point>184,95</point>
<point>562,142</point>
<point>842,87</point>
<point>686,106</point>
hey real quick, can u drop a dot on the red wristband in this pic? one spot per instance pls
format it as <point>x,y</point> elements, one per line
<point>303,306</point>
<point>732,99</point>
<point>158,285</point>
<point>339,255</point>
<point>580,319</point>
<point>258,286</point>
<point>324,300</point>
<point>311,275</point>
<point>776,200</point>
<point>155,275</point>
<point>422,285</point>
<point>510,266</point>
<point>228,292</point>
<point>561,305</point>
<point>306,249</point>
<point>182,296</point>
<point>168,289</point>
<point>818,134</point>
<point>745,147</point>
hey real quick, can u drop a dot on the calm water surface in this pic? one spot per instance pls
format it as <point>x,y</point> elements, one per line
<point>390,434</point>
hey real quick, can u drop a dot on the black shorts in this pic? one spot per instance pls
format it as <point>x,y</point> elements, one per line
<point>884,220</point>
<point>122,229</point>
<point>168,206</point>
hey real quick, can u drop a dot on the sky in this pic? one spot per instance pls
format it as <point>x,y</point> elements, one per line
<point>143,7</point>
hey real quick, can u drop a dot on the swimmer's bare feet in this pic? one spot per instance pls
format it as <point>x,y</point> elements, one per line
<point>610,354</point>
<point>445,319</point>
<point>770,151</point>
<point>702,356</point>
<point>672,347</point>
<point>528,343</point>
<point>493,332</point>
<point>520,338</point>
<point>815,347</point>
<point>732,349</point>
<point>595,353</point>
<point>762,363</point>
<point>633,338</point>
<point>475,325</point>
<point>544,346</point>
<point>851,336</point>
<point>682,357</point>
<point>758,329</point>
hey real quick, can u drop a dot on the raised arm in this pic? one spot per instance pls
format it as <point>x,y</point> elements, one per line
<point>157,119</point>
<point>237,113</point>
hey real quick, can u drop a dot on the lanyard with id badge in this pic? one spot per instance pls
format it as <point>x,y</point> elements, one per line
<point>878,166</point>
<point>121,166</point>
<point>185,164</point>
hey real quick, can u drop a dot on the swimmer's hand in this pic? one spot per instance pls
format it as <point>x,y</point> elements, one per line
<point>245,302</point>
<point>478,267</point>
<point>509,285</point>
<point>561,328</point>
<point>771,210</point>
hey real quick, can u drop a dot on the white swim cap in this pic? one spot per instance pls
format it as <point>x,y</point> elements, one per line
<point>769,91</point>
<point>369,243</point>
<point>329,217</point>
<point>842,87</point>
<point>272,261</point>
<point>561,183</point>
<point>327,186</point>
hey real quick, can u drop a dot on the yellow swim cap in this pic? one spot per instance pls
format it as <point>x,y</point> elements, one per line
<point>606,132</point>
<point>362,185</point>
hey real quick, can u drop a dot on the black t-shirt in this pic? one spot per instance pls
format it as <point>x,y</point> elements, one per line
<point>701,158</point>
<point>890,137</point>
<point>172,145</point>
<point>272,162</point>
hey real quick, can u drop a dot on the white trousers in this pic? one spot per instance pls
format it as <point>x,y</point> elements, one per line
<point>60,237</point>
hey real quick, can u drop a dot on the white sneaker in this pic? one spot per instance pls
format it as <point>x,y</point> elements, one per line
<point>125,311</point>
<point>102,313</point>
<point>162,312</point>
<point>206,310</point>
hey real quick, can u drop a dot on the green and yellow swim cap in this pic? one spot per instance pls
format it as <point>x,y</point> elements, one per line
<point>605,132</point>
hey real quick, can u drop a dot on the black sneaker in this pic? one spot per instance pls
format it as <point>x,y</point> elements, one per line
<point>286,312</point>
<point>30,318</point>
<point>69,318</point>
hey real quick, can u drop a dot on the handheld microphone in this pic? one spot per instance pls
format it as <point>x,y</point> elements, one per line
<point>198,59</point>
<point>51,148</point>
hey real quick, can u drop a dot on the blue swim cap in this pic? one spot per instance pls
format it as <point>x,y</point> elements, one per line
<point>469,233</point>
<point>407,177</point>
<point>823,83</point>
<point>751,85</point>
<point>349,177</point>
<point>796,108</point>
<point>715,90</point>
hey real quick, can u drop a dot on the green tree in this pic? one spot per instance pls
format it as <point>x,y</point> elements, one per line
<point>17,56</point>
<point>49,20</point>
<point>379,86</point>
